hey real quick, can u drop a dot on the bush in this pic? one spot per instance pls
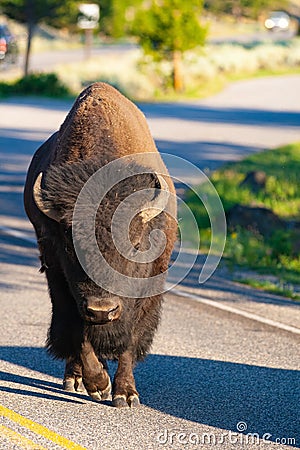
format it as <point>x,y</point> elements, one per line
<point>41,84</point>
<point>5,89</point>
<point>46,84</point>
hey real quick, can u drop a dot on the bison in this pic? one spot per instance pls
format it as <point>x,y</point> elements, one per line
<point>93,321</point>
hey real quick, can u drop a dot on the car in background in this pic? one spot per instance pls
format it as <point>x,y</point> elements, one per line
<point>9,50</point>
<point>278,21</point>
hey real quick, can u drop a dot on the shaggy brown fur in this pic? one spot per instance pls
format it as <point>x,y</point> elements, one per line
<point>101,127</point>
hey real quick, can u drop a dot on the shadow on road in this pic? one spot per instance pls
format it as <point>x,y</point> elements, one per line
<point>207,114</point>
<point>16,150</point>
<point>17,251</point>
<point>15,154</point>
<point>215,393</point>
<point>205,155</point>
<point>221,394</point>
<point>51,104</point>
<point>34,358</point>
<point>186,111</point>
<point>37,359</point>
<point>36,384</point>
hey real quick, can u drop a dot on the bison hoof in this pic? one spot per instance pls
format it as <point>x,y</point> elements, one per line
<point>73,385</point>
<point>100,396</point>
<point>120,401</point>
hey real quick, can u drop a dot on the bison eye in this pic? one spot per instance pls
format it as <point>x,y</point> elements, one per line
<point>67,232</point>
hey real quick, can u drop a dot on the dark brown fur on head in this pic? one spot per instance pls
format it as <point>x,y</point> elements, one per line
<point>62,186</point>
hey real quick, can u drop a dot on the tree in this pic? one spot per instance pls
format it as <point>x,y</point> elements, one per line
<point>115,16</point>
<point>32,12</point>
<point>168,28</point>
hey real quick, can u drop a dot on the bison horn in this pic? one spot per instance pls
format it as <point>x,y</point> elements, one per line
<point>158,204</point>
<point>39,201</point>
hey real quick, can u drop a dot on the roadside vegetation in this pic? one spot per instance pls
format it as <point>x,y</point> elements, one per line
<point>165,29</point>
<point>269,255</point>
<point>206,70</point>
<point>43,84</point>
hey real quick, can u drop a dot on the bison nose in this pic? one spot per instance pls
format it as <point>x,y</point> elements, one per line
<point>102,310</point>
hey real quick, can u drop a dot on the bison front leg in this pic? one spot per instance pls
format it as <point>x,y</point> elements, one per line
<point>73,375</point>
<point>94,374</point>
<point>124,390</point>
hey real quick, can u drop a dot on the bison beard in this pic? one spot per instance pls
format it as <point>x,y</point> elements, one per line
<point>89,323</point>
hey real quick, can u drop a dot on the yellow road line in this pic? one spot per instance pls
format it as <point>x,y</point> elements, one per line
<point>19,440</point>
<point>39,429</point>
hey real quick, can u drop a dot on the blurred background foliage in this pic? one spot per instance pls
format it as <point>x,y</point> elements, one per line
<point>167,31</point>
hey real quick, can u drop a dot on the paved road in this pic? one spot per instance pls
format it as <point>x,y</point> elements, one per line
<point>207,372</point>
<point>209,369</point>
<point>247,117</point>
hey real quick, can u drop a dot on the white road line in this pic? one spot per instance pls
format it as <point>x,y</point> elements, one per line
<point>17,234</point>
<point>237,311</point>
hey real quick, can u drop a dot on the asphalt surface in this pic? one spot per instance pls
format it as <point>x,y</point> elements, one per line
<point>210,373</point>
<point>247,117</point>
<point>207,373</point>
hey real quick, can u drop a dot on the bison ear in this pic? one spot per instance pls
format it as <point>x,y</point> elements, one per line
<point>40,202</point>
<point>159,202</point>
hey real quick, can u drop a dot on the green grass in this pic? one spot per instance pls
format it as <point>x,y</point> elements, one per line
<point>282,192</point>
<point>282,289</point>
<point>277,253</point>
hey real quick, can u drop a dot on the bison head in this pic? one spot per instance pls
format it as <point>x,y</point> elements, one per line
<point>55,195</point>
